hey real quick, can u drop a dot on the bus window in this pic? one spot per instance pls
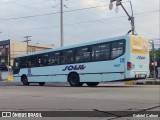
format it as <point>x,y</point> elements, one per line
<point>117,49</point>
<point>57,58</point>
<point>43,59</point>
<point>101,52</point>
<point>51,60</point>
<point>16,66</point>
<point>82,54</point>
<point>67,57</point>
<point>54,58</point>
<point>32,61</point>
<point>23,62</point>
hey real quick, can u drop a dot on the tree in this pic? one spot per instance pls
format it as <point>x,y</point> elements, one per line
<point>157,54</point>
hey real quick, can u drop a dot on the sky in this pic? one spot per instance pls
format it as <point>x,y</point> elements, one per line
<point>84,20</point>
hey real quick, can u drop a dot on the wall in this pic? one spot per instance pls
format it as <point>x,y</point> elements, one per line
<point>17,48</point>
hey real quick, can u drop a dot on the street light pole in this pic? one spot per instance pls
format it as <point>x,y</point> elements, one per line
<point>130,17</point>
<point>61,23</point>
<point>27,40</point>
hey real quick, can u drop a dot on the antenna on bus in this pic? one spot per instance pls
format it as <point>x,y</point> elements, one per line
<point>130,17</point>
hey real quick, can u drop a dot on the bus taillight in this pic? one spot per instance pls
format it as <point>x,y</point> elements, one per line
<point>129,65</point>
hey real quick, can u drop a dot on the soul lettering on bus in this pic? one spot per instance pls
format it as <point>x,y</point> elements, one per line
<point>76,67</point>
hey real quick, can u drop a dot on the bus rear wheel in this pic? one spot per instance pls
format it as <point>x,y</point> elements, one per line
<point>25,81</point>
<point>92,84</point>
<point>41,83</point>
<point>74,79</point>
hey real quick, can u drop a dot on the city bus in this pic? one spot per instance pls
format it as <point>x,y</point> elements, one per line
<point>115,59</point>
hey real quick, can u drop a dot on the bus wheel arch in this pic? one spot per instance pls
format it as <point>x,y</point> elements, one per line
<point>24,80</point>
<point>74,79</point>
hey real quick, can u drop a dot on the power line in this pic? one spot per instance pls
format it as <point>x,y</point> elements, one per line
<point>39,15</point>
<point>91,21</point>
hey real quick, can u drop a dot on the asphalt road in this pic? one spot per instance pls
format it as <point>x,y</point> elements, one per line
<point>55,97</point>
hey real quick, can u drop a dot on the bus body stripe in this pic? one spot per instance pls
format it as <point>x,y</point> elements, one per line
<point>79,74</point>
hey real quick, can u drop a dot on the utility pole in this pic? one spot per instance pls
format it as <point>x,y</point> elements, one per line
<point>153,55</point>
<point>27,40</point>
<point>153,58</point>
<point>61,23</point>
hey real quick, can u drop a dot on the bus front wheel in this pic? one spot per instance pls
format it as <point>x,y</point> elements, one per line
<point>74,80</point>
<point>92,84</point>
<point>25,81</point>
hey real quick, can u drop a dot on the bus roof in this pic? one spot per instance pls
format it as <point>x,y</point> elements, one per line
<point>72,46</point>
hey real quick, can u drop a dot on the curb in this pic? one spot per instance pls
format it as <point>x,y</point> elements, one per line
<point>143,82</point>
<point>152,82</point>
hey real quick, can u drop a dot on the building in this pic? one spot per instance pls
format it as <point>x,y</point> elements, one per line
<point>10,48</point>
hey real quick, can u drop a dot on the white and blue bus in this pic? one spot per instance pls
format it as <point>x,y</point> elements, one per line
<point>114,59</point>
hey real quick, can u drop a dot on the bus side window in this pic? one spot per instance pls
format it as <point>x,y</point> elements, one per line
<point>78,55</point>
<point>43,60</point>
<point>67,57</point>
<point>23,62</point>
<point>117,49</point>
<point>62,57</point>
<point>16,64</point>
<point>51,60</point>
<point>54,58</point>
<point>95,52</point>
<point>57,58</point>
<point>101,52</point>
<point>32,61</point>
<point>82,54</point>
<point>105,51</point>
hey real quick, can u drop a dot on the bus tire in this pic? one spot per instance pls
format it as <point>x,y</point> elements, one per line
<point>92,84</point>
<point>74,80</point>
<point>25,81</point>
<point>41,83</point>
